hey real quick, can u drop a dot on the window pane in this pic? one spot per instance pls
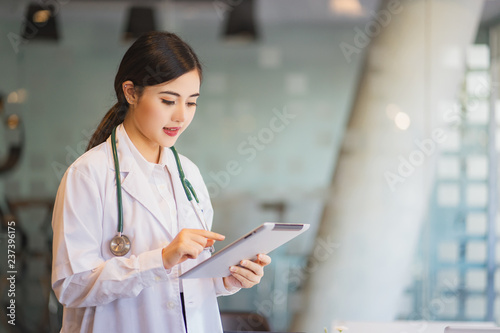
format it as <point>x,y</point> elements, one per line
<point>477,195</point>
<point>476,252</point>
<point>475,280</point>
<point>478,84</point>
<point>476,224</point>
<point>477,167</point>
<point>475,307</point>
<point>478,113</point>
<point>448,252</point>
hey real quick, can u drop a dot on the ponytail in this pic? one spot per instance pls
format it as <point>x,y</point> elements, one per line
<point>114,117</point>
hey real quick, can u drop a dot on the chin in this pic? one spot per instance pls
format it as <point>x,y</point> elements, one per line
<point>168,143</point>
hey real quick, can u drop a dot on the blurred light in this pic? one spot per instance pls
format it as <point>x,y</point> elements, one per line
<point>346,7</point>
<point>240,23</point>
<point>41,16</point>
<point>140,20</point>
<point>40,22</point>
<point>21,95</point>
<point>17,97</point>
<point>402,121</point>
<point>392,110</point>
<point>12,98</point>
<point>13,121</point>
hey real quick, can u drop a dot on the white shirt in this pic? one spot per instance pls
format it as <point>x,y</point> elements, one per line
<point>159,179</point>
<point>134,293</point>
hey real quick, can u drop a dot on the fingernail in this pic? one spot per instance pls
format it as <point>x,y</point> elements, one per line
<point>232,269</point>
<point>244,262</point>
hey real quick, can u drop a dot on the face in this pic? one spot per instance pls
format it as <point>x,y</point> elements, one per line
<point>162,113</point>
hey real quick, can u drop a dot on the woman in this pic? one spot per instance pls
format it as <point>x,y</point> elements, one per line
<point>157,86</point>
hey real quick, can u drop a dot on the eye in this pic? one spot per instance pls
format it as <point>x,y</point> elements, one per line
<point>168,102</point>
<point>192,104</point>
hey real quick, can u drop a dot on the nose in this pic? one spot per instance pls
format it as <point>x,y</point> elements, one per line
<point>179,113</point>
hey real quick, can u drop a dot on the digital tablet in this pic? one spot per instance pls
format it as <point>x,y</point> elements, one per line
<point>262,239</point>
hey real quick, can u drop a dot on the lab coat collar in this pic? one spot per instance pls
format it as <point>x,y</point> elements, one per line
<point>145,166</point>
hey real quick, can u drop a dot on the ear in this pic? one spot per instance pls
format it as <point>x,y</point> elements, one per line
<point>129,92</point>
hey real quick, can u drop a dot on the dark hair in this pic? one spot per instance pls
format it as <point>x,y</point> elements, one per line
<point>154,58</point>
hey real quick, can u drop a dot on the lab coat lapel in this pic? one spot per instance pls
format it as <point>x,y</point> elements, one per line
<point>134,183</point>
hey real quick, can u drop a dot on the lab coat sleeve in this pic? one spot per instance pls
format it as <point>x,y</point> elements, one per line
<point>111,280</point>
<point>81,277</point>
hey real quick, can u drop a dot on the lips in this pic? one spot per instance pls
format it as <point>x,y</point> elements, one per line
<point>171,131</point>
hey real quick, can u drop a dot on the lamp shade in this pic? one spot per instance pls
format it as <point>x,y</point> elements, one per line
<point>240,22</point>
<point>140,20</point>
<point>40,23</point>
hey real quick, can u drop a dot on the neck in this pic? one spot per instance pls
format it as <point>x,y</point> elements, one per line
<point>148,149</point>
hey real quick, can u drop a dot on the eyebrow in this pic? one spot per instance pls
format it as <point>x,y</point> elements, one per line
<point>176,94</point>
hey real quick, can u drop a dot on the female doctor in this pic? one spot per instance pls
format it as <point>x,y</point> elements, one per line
<point>113,279</point>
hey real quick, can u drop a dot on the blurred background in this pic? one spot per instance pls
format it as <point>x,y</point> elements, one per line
<point>372,120</point>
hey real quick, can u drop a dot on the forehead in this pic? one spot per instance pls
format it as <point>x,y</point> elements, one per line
<point>188,83</point>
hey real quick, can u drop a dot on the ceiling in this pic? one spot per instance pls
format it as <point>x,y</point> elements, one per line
<point>268,11</point>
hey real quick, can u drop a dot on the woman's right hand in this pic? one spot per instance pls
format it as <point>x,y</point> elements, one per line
<point>188,244</point>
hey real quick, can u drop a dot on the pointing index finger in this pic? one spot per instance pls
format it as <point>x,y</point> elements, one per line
<point>211,235</point>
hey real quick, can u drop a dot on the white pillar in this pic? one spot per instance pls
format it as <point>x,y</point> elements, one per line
<point>414,63</point>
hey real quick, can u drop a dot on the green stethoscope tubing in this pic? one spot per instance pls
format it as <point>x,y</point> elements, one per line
<point>120,244</point>
<point>188,188</point>
<point>190,193</point>
<point>118,182</point>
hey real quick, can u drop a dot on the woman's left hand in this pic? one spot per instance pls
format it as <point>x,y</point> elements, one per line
<point>248,274</point>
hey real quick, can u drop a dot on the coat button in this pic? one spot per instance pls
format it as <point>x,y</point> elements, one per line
<point>171,305</point>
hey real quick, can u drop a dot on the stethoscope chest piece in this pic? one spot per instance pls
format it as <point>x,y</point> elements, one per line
<point>119,245</point>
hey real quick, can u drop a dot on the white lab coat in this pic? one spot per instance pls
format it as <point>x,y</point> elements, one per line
<point>134,293</point>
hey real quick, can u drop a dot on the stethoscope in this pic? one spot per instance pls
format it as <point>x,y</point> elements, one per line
<point>120,244</point>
